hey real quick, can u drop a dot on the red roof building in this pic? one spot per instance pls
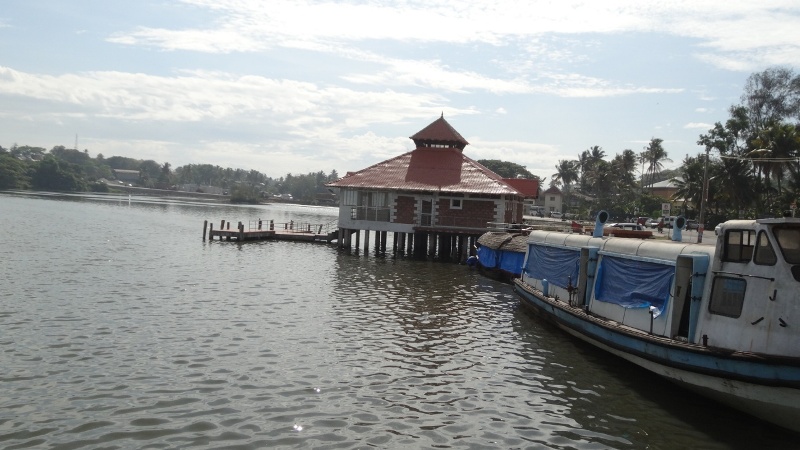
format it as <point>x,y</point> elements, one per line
<point>433,188</point>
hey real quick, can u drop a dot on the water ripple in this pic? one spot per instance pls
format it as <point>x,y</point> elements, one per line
<point>150,338</point>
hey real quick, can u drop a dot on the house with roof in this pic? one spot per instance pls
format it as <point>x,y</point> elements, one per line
<point>665,189</point>
<point>432,198</point>
<point>552,199</point>
<point>126,176</point>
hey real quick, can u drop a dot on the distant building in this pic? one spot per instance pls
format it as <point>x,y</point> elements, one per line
<point>664,189</point>
<point>433,190</point>
<point>126,176</point>
<point>553,200</point>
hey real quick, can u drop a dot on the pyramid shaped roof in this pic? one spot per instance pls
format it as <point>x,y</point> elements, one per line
<point>441,134</point>
<point>426,169</point>
<point>437,164</point>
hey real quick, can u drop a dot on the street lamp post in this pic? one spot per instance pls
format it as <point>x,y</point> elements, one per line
<point>701,223</point>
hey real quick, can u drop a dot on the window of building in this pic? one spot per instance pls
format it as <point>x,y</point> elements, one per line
<point>727,296</point>
<point>349,197</point>
<point>455,203</point>
<point>552,198</point>
<point>739,245</point>
<point>765,254</point>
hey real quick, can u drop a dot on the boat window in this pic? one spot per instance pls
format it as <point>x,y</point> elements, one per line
<point>727,296</point>
<point>765,254</point>
<point>789,242</point>
<point>739,245</point>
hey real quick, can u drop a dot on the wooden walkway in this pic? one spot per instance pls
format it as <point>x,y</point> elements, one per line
<point>260,230</point>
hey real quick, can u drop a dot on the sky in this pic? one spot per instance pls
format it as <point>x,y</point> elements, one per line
<point>303,86</point>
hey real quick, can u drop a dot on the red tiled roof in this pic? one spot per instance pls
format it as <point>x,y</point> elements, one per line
<point>440,132</point>
<point>528,187</point>
<point>429,169</point>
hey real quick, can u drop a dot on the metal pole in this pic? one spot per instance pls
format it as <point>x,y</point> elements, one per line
<point>701,223</point>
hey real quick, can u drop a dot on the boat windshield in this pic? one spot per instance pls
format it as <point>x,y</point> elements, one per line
<point>789,241</point>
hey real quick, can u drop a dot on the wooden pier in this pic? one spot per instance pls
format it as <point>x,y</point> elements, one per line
<point>260,230</point>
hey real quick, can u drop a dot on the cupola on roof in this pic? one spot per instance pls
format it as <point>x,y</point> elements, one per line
<point>439,134</point>
<point>438,164</point>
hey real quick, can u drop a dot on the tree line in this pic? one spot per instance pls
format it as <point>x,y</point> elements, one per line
<point>750,167</point>
<point>72,170</point>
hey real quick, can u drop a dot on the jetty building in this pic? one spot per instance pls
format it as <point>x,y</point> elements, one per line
<point>434,199</point>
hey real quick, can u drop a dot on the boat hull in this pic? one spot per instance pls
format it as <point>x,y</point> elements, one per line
<point>763,387</point>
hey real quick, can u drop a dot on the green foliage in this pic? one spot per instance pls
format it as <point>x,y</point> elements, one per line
<point>507,169</point>
<point>98,186</point>
<point>245,194</point>
<point>50,175</point>
<point>13,172</point>
<point>753,166</point>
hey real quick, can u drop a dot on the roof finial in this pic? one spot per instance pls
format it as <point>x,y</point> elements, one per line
<point>442,114</point>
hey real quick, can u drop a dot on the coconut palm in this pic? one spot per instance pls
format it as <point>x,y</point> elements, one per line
<point>566,172</point>
<point>690,183</point>
<point>655,157</point>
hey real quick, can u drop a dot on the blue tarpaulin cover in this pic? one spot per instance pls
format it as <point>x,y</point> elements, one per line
<point>633,284</point>
<point>487,257</point>
<point>555,264</point>
<point>511,261</point>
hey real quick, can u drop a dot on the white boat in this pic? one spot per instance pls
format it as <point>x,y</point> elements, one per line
<point>722,320</point>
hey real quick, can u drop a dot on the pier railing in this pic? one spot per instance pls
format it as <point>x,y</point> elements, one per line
<point>293,226</point>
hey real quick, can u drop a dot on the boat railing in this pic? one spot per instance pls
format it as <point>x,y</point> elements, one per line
<point>530,225</point>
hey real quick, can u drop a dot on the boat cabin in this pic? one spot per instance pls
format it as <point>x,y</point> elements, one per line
<point>743,293</point>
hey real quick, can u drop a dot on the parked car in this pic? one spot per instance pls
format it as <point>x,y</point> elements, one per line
<point>651,223</point>
<point>555,214</point>
<point>625,226</point>
<point>692,224</point>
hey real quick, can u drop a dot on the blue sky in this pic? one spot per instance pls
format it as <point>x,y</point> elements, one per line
<point>301,86</point>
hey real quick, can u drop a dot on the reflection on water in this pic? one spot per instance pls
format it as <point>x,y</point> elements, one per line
<point>121,328</point>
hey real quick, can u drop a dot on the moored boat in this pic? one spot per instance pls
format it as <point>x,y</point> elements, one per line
<point>501,254</point>
<point>722,320</point>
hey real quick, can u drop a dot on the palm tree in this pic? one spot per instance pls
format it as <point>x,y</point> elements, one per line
<point>690,183</point>
<point>780,144</point>
<point>566,172</point>
<point>588,161</point>
<point>655,156</point>
<point>625,166</point>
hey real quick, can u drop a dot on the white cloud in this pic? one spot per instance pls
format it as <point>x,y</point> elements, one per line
<point>699,126</point>
<point>753,33</point>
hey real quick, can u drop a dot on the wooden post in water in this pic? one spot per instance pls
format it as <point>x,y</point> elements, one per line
<point>259,224</point>
<point>205,227</point>
<point>241,232</point>
<point>384,234</point>
<point>271,225</point>
<point>211,232</point>
<point>366,242</point>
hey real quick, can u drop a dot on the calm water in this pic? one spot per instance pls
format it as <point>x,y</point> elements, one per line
<point>121,328</point>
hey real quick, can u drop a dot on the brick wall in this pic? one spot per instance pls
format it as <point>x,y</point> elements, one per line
<point>473,213</point>
<point>404,209</point>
